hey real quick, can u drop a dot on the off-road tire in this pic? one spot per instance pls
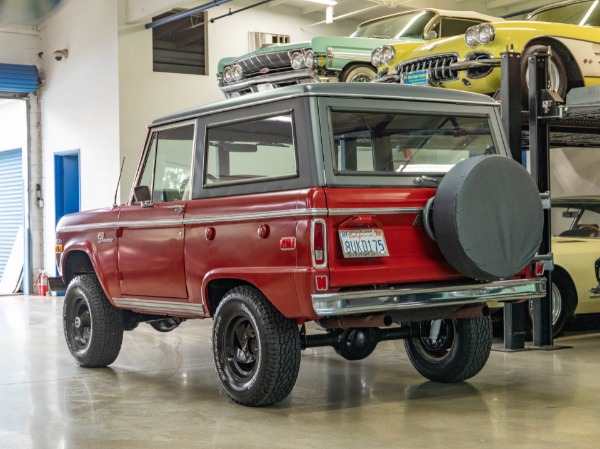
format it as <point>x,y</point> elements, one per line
<point>93,327</point>
<point>461,353</point>
<point>256,349</point>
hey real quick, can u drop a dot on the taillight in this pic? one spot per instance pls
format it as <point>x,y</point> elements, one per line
<point>319,243</point>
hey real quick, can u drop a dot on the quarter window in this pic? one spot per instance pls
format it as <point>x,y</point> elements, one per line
<point>405,144</point>
<point>166,171</point>
<point>251,150</point>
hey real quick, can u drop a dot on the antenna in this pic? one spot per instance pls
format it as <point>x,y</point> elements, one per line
<point>118,182</point>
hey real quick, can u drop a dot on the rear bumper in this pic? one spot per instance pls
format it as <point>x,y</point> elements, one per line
<point>413,298</point>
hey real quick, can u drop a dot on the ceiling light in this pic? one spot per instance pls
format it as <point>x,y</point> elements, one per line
<point>323,2</point>
<point>329,14</point>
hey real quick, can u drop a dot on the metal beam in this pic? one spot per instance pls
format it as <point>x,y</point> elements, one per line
<point>183,14</point>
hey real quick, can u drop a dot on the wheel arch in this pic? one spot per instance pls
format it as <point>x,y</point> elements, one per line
<point>216,289</point>
<point>77,262</point>
<point>573,71</point>
<point>572,305</point>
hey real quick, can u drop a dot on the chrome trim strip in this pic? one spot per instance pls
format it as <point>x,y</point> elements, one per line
<point>160,306</point>
<point>390,300</point>
<point>377,211</point>
<point>242,217</point>
<point>87,227</point>
<point>465,65</point>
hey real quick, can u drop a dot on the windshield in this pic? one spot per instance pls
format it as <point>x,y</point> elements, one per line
<point>406,144</point>
<point>583,14</point>
<point>407,25</point>
<point>574,221</point>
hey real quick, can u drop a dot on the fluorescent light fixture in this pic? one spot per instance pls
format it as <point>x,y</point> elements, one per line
<point>329,14</point>
<point>323,2</point>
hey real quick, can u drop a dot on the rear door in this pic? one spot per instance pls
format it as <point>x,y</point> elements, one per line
<point>150,230</point>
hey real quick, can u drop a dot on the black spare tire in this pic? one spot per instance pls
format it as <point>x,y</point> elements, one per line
<point>488,217</point>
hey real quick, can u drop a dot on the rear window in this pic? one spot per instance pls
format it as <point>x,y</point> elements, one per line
<point>367,143</point>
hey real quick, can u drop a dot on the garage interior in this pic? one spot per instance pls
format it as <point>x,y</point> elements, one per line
<point>91,78</point>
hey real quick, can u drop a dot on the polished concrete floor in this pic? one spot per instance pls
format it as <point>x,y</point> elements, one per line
<point>162,393</point>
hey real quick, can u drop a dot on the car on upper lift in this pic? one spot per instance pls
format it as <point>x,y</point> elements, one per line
<point>570,29</point>
<point>575,245</point>
<point>339,58</point>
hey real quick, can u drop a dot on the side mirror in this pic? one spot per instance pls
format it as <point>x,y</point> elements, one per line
<point>430,35</point>
<point>141,194</point>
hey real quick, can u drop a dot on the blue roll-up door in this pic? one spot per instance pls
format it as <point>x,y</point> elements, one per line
<point>16,78</point>
<point>11,202</point>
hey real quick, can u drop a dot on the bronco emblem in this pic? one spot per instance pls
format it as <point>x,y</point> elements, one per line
<point>101,238</point>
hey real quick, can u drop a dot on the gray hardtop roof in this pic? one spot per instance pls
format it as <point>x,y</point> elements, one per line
<point>338,90</point>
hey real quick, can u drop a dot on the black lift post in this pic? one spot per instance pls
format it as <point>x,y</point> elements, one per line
<point>543,106</point>
<point>511,105</point>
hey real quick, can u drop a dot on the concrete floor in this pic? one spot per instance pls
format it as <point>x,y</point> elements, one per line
<point>162,393</point>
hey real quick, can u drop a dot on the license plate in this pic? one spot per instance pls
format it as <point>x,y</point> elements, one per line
<point>418,78</point>
<point>363,243</point>
<point>264,87</point>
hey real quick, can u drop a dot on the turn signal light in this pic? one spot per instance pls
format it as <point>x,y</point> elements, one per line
<point>318,243</point>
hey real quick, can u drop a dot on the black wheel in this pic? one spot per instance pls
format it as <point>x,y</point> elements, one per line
<point>459,351</point>
<point>256,349</point>
<point>558,76</point>
<point>564,300</point>
<point>358,74</point>
<point>93,327</point>
<point>166,325</point>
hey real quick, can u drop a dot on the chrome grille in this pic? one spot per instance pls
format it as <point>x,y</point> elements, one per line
<point>438,67</point>
<point>277,61</point>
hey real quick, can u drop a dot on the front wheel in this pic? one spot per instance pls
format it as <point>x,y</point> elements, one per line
<point>93,327</point>
<point>451,350</point>
<point>256,349</point>
<point>358,74</point>
<point>558,76</point>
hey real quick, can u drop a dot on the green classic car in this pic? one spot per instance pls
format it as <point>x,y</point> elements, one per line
<point>339,58</point>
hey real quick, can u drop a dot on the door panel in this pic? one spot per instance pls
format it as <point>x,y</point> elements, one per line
<point>151,251</point>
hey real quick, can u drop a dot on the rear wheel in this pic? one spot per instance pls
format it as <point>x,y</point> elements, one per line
<point>256,349</point>
<point>564,300</point>
<point>93,327</point>
<point>358,74</point>
<point>456,352</point>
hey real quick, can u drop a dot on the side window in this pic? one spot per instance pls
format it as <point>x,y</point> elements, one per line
<point>251,150</point>
<point>167,169</point>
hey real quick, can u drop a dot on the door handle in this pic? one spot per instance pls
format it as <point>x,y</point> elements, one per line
<point>177,209</point>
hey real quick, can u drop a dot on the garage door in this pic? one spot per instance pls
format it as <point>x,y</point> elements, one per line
<point>18,79</point>
<point>11,202</point>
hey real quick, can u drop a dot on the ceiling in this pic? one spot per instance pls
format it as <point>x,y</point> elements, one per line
<point>33,12</point>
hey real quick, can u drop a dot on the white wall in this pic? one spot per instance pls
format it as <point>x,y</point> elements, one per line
<point>19,45</point>
<point>13,125</point>
<point>146,95</point>
<point>80,104</point>
<point>574,171</point>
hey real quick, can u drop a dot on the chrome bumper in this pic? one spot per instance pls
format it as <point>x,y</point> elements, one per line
<point>306,75</point>
<point>389,300</point>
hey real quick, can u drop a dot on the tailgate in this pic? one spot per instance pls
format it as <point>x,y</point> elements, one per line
<point>401,253</point>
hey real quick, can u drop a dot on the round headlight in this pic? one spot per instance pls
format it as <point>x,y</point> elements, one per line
<point>309,58</point>
<point>471,37</point>
<point>237,72</point>
<point>227,75</point>
<point>376,57</point>
<point>297,60</point>
<point>388,53</point>
<point>486,33</point>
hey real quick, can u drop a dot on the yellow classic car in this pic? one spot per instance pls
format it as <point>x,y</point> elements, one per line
<point>470,62</point>
<point>576,246</point>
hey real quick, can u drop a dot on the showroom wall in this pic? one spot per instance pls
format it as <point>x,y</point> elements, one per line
<point>79,104</point>
<point>147,95</point>
<point>19,45</point>
<point>575,171</point>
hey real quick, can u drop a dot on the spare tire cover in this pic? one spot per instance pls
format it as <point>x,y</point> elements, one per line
<point>488,217</point>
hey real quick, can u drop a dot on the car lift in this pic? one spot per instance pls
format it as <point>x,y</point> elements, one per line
<point>545,107</point>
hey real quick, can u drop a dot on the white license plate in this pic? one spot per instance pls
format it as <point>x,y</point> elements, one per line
<point>418,78</point>
<point>363,243</point>
<point>264,87</point>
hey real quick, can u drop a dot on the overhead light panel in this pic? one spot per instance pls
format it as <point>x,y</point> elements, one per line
<point>329,14</point>
<point>323,2</point>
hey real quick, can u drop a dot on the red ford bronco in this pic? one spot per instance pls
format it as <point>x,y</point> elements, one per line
<point>377,211</point>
